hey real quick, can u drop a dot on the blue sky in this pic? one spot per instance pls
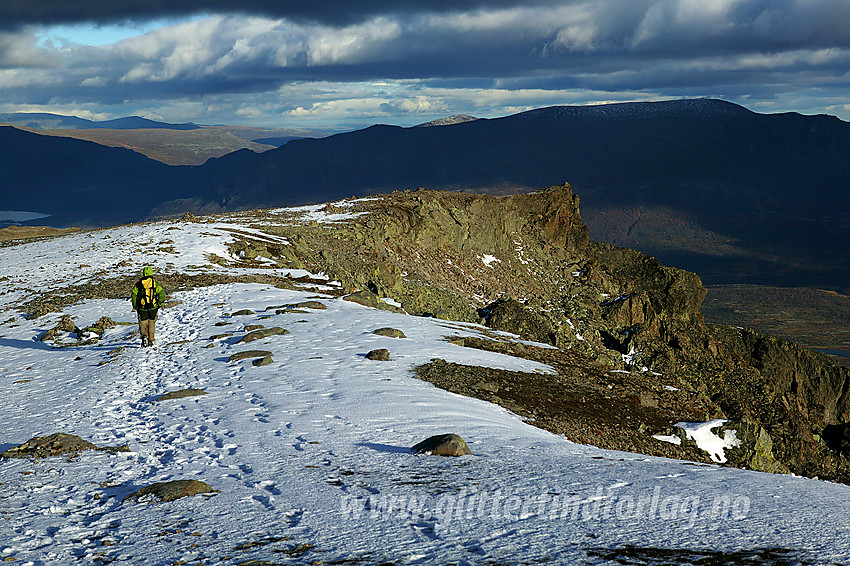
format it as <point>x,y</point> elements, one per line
<point>330,64</point>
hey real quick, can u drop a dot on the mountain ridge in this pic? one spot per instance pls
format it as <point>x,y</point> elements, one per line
<point>771,187</point>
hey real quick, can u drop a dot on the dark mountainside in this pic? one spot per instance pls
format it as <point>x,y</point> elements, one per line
<point>82,183</point>
<point>706,185</point>
<point>773,186</point>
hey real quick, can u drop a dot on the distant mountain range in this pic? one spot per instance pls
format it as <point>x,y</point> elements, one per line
<point>46,121</point>
<point>703,184</point>
<point>173,144</point>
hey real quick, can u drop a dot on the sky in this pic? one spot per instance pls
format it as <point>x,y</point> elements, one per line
<point>326,64</point>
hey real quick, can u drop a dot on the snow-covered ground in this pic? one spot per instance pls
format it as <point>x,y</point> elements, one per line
<point>310,454</point>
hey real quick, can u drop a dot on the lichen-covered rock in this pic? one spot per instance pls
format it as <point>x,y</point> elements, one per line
<point>442,445</point>
<point>249,354</point>
<point>370,299</point>
<point>181,394</point>
<point>243,312</point>
<point>380,355</point>
<point>510,315</point>
<point>169,491</point>
<point>96,330</point>
<point>389,332</point>
<point>311,305</point>
<point>46,446</point>
<point>65,324</point>
<point>264,361</point>
<point>262,333</point>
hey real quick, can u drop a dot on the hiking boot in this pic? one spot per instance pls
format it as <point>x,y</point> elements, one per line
<point>144,342</point>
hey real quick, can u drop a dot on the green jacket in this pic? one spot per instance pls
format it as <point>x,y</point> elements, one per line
<point>139,292</point>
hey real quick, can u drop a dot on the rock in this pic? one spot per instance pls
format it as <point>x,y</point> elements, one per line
<point>262,333</point>
<point>262,361</point>
<point>510,315</point>
<point>381,355</point>
<point>169,491</point>
<point>252,327</point>
<point>249,354</point>
<point>96,330</point>
<point>487,386</point>
<point>46,446</point>
<point>370,299</point>
<point>390,332</point>
<point>442,445</point>
<point>243,312</point>
<point>104,323</point>
<point>181,394</point>
<point>220,336</point>
<point>49,335</point>
<point>311,305</point>
<point>66,324</point>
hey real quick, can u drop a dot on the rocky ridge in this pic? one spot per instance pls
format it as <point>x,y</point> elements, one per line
<point>633,354</point>
<point>630,325</point>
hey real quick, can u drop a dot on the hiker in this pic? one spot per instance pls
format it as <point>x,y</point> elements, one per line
<point>148,295</point>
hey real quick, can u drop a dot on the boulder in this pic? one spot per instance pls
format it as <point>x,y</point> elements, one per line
<point>442,445</point>
<point>262,333</point>
<point>249,354</point>
<point>311,305</point>
<point>243,312</point>
<point>65,324</point>
<point>169,491</point>
<point>182,393</point>
<point>370,299</point>
<point>264,361</point>
<point>390,332</point>
<point>509,315</point>
<point>46,446</point>
<point>380,355</point>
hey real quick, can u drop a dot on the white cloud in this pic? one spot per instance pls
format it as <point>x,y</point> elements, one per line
<point>352,44</point>
<point>410,66</point>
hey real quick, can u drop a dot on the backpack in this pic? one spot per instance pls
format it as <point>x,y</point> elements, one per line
<point>147,294</point>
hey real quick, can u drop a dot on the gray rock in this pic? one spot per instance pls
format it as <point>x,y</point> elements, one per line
<point>442,445</point>
<point>243,312</point>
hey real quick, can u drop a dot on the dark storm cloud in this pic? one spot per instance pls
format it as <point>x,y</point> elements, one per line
<point>15,13</point>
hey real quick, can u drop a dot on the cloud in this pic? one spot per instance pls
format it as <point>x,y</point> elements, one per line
<point>410,59</point>
<point>16,13</point>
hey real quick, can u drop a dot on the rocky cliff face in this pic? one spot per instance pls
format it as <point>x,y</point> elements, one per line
<point>624,323</point>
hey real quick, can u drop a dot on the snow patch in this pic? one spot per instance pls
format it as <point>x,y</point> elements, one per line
<point>489,260</point>
<point>708,441</point>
